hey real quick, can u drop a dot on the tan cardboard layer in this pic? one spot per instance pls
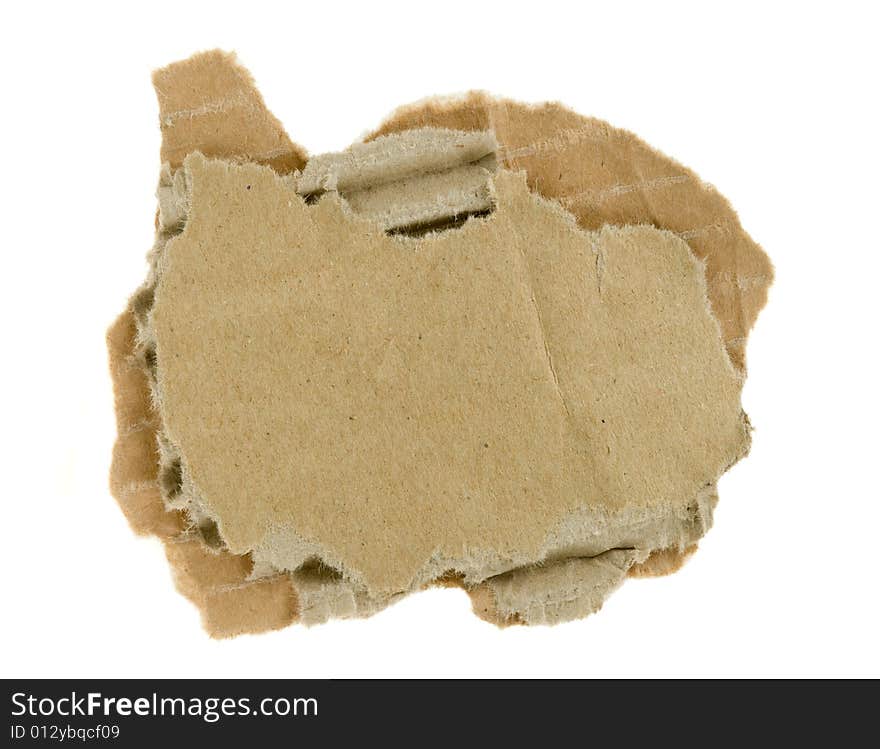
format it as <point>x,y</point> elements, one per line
<point>209,104</point>
<point>605,175</point>
<point>420,178</point>
<point>572,586</point>
<point>432,430</point>
<point>570,589</point>
<point>133,472</point>
<point>230,602</point>
<point>196,98</point>
<point>385,160</point>
<point>218,583</point>
<point>324,595</point>
<point>663,562</point>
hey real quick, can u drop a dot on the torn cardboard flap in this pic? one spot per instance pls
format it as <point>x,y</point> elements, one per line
<point>403,156</point>
<point>388,412</point>
<point>409,182</point>
<point>210,102</point>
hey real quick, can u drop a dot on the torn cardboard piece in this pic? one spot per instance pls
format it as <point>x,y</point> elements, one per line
<point>335,595</point>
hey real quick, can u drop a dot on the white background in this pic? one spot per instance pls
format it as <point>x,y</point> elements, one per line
<point>776,105</point>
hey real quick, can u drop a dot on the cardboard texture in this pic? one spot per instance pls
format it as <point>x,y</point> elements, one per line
<point>210,103</point>
<point>350,377</point>
<point>409,182</point>
<point>605,175</point>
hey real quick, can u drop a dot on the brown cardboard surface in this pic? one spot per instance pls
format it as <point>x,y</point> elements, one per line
<point>196,98</point>
<point>385,160</point>
<point>605,175</point>
<point>209,104</point>
<point>663,562</point>
<point>218,583</point>
<point>133,472</point>
<point>431,430</point>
